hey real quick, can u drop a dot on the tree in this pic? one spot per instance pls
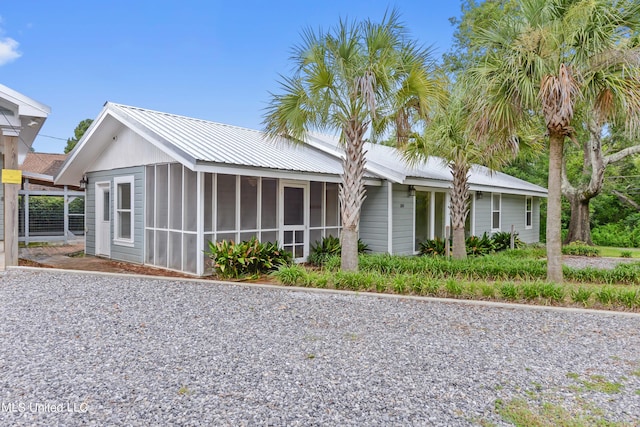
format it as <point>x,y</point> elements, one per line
<point>542,61</point>
<point>77,134</point>
<point>449,135</point>
<point>594,165</point>
<point>475,14</point>
<point>353,79</point>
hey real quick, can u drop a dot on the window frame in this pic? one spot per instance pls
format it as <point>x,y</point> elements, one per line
<point>528,212</point>
<point>117,239</point>
<point>499,211</point>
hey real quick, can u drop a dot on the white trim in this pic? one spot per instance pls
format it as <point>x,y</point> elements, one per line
<point>472,212</point>
<point>499,195</point>
<point>104,248</point>
<point>200,223</point>
<point>528,226</point>
<point>128,179</point>
<point>413,235</point>
<point>447,213</point>
<point>432,216</point>
<point>390,217</point>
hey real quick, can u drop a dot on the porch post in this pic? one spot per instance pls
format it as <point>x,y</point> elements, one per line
<point>432,215</point>
<point>11,203</point>
<point>447,209</point>
<point>66,214</point>
<point>26,212</point>
<point>200,223</point>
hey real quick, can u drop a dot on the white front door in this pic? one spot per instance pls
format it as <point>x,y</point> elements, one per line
<point>294,219</point>
<point>103,219</point>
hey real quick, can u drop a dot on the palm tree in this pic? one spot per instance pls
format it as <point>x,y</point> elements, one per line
<point>352,79</point>
<point>546,60</point>
<point>449,135</point>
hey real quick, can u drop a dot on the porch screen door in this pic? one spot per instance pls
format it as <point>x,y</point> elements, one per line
<point>294,220</point>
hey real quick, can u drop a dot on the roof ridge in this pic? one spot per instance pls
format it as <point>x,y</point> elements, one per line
<point>181,116</point>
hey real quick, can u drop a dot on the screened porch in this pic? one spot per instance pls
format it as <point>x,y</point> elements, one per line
<point>184,208</point>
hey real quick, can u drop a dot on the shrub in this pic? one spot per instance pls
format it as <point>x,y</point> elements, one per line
<point>233,260</point>
<point>625,254</point>
<point>328,247</point>
<point>502,241</point>
<point>581,249</point>
<point>480,245</point>
<point>432,247</point>
<point>617,235</point>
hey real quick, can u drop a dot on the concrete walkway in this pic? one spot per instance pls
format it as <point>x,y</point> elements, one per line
<point>58,256</point>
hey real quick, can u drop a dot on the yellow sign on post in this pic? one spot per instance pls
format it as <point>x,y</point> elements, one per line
<point>11,176</point>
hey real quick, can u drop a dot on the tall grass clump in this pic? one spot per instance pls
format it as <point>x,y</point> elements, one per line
<point>290,275</point>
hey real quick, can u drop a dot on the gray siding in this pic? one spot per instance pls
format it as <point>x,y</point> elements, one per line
<point>533,234</point>
<point>373,219</point>
<point>118,252</point>
<point>483,214</point>
<point>512,212</point>
<point>403,219</point>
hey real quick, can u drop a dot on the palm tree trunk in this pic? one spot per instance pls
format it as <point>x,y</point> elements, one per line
<point>554,239</point>
<point>352,193</point>
<point>459,208</point>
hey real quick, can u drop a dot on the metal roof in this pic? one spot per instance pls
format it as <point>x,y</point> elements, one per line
<point>388,162</point>
<point>197,142</point>
<point>205,141</point>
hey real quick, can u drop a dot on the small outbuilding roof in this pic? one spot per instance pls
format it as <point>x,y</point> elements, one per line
<point>201,144</point>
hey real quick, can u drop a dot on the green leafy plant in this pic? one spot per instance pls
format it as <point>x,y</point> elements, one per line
<point>329,247</point>
<point>509,291</point>
<point>625,254</point>
<point>480,245</point>
<point>502,241</point>
<point>291,274</point>
<point>432,247</point>
<point>233,260</point>
<point>581,295</point>
<point>580,249</point>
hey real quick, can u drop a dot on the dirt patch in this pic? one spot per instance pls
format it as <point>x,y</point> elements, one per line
<point>110,267</point>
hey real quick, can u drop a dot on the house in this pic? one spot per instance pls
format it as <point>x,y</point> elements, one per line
<point>160,186</point>
<point>39,169</point>
<point>21,118</point>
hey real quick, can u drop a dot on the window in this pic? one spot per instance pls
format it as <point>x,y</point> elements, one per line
<point>528,212</point>
<point>124,210</point>
<point>496,202</point>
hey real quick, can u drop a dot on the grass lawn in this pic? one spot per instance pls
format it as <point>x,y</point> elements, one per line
<point>608,251</point>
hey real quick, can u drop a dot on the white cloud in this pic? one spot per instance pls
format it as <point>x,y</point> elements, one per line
<point>8,50</point>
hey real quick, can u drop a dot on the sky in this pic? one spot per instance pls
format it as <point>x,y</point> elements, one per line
<point>208,59</point>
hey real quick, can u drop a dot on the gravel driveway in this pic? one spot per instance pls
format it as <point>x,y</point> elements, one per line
<point>133,351</point>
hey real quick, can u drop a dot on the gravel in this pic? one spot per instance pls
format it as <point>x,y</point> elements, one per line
<point>83,349</point>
